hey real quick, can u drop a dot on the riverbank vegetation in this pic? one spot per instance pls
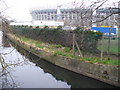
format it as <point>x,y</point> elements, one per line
<point>87,40</point>
<point>63,51</point>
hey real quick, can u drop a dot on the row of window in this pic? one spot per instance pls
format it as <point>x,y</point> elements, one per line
<point>54,17</point>
<point>55,12</point>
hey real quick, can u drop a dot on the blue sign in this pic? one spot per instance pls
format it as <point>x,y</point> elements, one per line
<point>104,29</point>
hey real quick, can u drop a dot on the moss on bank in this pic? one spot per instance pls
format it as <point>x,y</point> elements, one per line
<point>63,51</point>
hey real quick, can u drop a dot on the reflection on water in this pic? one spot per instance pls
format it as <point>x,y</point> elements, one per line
<point>72,79</point>
<point>5,43</point>
<point>6,80</point>
<point>29,71</point>
<point>21,73</point>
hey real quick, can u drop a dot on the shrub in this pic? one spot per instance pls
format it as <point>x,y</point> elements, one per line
<point>87,40</point>
<point>46,27</point>
<point>31,27</point>
<point>67,49</point>
<point>59,28</point>
<point>37,27</point>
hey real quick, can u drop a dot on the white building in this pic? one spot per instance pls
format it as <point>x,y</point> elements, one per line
<point>108,16</point>
<point>21,23</point>
<point>119,15</point>
<point>119,20</point>
<point>0,23</point>
<point>47,23</point>
<point>70,17</point>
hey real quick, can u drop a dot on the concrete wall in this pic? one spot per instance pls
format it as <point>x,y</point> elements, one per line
<point>105,73</point>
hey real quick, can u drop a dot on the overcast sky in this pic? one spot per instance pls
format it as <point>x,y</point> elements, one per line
<point>19,9</point>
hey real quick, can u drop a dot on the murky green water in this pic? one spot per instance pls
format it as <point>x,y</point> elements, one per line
<point>28,71</point>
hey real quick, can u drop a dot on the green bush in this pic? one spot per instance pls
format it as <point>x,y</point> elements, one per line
<point>67,49</point>
<point>37,27</point>
<point>87,40</point>
<point>46,27</point>
<point>59,28</point>
<point>31,27</point>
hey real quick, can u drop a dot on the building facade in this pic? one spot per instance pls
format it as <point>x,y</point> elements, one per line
<point>78,17</point>
<point>119,15</point>
<point>0,23</point>
<point>71,17</point>
<point>106,17</point>
<point>119,19</point>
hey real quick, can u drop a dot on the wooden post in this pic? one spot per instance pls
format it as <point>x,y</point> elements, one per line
<point>109,40</point>
<point>73,43</point>
<point>78,48</point>
<point>102,42</point>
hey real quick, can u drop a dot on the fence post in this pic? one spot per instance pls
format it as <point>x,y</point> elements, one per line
<point>102,42</point>
<point>78,48</point>
<point>73,43</point>
<point>109,40</point>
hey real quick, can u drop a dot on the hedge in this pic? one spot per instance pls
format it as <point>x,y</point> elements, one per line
<point>87,40</point>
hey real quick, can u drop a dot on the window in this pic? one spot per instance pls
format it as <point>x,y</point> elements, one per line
<point>52,17</point>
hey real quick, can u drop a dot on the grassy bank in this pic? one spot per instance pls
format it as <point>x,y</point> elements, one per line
<point>64,51</point>
<point>113,46</point>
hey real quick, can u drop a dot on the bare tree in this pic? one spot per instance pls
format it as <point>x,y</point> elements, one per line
<point>4,73</point>
<point>89,14</point>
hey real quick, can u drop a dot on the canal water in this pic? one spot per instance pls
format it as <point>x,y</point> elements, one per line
<point>25,70</point>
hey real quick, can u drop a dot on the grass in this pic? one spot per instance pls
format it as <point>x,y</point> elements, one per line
<point>66,54</point>
<point>66,51</point>
<point>38,44</point>
<point>57,46</point>
<point>61,53</point>
<point>25,39</point>
<point>104,61</point>
<point>113,46</point>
